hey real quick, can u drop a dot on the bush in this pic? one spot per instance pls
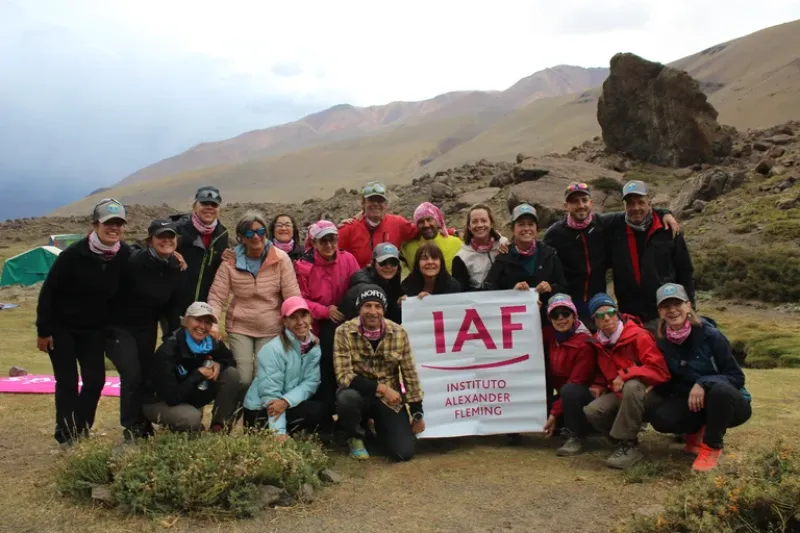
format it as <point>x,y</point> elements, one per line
<point>761,493</point>
<point>607,185</point>
<point>210,475</point>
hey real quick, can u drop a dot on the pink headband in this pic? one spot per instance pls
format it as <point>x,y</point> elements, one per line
<point>426,210</point>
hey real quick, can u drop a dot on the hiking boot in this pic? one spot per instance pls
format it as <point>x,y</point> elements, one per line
<point>707,458</point>
<point>357,449</point>
<point>694,441</point>
<point>573,446</point>
<point>627,454</point>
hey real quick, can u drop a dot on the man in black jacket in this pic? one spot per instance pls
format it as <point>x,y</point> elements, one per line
<point>645,255</point>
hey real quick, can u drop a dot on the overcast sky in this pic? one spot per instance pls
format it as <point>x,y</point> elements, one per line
<point>92,90</point>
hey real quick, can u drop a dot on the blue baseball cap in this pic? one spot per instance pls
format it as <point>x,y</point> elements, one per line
<point>384,251</point>
<point>599,300</point>
<point>635,187</point>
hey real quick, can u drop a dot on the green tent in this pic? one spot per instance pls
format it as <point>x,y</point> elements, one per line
<point>29,267</point>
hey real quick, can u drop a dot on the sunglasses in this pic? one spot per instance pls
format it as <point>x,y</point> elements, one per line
<point>252,233</point>
<point>602,314</point>
<point>559,314</point>
<point>329,241</point>
<point>209,203</point>
<point>376,188</point>
<point>578,187</point>
<point>390,262</point>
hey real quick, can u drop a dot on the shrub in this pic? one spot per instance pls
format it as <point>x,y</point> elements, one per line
<point>607,185</point>
<point>210,475</point>
<point>760,493</point>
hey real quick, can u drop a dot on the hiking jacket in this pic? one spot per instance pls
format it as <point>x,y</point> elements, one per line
<point>324,283</point>
<point>634,356</point>
<point>172,376</point>
<point>644,261</point>
<point>471,267</point>
<point>285,374</point>
<point>202,263</point>
<point>255,301</point>
<point>705,358</point>
<point>413,285</point>
<point>77,292</point>
<point>368,276</point>
<point>573,361</point>
<point>449,246</point>
<point>359,239</point>
<point>148,292</point>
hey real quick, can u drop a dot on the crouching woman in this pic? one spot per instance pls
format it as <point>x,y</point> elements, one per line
<point>706,394</point>
<point>190,370</point>
<point>288,374</point>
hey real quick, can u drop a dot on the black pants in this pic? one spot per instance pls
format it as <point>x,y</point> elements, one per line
<point>574,398</point>
<point>75,411</point>
<point>393,429</point>
<point>724,408</point>
<point>128,348</point>
<point>307,415</point>
<point>326,392</point>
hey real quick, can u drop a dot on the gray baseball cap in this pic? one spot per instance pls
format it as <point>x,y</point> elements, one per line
<point>522,210</point>
<point>208,194</point>
<point>670,291</point>
<point>108,209</point>
<point>635,187</point>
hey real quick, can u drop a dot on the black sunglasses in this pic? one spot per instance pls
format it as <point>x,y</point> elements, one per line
<point>558,314</point>
<point>251,233</point>
<point>390,262</point>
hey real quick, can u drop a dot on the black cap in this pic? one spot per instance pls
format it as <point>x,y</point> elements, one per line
<point>159,226</point>
<point>208,194</point>
<point>371,293</point>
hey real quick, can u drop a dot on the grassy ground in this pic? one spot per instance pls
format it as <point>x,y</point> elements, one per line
<point>468,484</point>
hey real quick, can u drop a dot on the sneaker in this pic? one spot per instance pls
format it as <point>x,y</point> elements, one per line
<point>357,449</point>
<point>627,454</point>
<point>707,458</point>
<point>573,446</point>
<point>694,441</point>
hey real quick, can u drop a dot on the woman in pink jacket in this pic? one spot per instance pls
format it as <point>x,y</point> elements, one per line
<point>256,279</point>
<point>324,277</point>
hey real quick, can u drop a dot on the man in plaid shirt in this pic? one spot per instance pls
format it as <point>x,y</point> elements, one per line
<point>370,355</point>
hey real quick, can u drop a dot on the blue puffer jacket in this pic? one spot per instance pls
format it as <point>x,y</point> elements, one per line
<point>283,374</point>
<point>704,358</point>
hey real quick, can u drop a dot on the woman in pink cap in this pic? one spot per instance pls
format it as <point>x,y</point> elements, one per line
<point>323,274</point>
<point>287,376</point>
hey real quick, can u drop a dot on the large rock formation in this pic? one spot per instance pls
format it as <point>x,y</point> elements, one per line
<point>659,115</point>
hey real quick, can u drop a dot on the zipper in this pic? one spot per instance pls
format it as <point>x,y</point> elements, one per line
<point>588,268</point>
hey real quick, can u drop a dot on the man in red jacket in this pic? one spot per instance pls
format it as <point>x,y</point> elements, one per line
<point>374,225</point>
<point>632,364</point>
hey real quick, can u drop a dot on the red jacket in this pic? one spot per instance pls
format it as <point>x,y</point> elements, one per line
<point>634,356</point>
<point>573,361</point>
<point>356,237</point>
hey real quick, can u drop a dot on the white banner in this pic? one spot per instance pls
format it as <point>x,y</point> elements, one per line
<point>480,361</point>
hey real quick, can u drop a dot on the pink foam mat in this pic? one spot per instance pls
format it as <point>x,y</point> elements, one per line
<point>41,384</point>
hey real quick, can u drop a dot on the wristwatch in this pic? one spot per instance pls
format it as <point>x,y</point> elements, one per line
<point>417,416</point>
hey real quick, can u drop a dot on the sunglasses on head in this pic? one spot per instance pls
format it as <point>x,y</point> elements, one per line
<point>602,314</point>
<point>376,188</point>
<point>252,233</point>
<point>390,262</point>
<point>558,314</point>
<point>578,187</point>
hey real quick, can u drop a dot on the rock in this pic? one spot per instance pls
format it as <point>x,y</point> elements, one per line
<point>787,203</point>
<point>329,476</point>
<point>780,139</point>
<point>782,186</point>
<point>651,510</point>
<point>476,197</point>
<point>764,166</point>
<point>440,173</point>
<point>17,371</point>
<point>272,495</point>
<point>658,114</point>
<point>616,162</point>
<point>661,199</point>
<point>306,493</point>
<point>441,190</point>
<point>747,149</point>
<point>760,146</point>
<point>705,187</point>
<point>699,205</point>
<point>526,172</point>
<point>501,180</point>
<point>776,152</point>
<point>684,173</point>
<point>102,493</point>
<point>547,215</point>
<point>521,157</point>
<point>734,181</point>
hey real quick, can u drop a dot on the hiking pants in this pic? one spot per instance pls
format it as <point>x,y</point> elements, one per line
<point>307,415</point>
<point>75,410</point>
<point>393,429</point>
<point>724,408</point>
<point>189,416</point>
<point>245,349</point>
<point>621,418</point>
<point>326,392</point>
<point>574,398</point>
<point>129,349</point>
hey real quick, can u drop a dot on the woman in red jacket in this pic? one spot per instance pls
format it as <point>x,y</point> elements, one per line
<point>632,364</point>
<point>573,372</point>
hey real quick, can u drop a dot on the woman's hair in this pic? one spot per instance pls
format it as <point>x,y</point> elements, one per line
<point>417,279</point>
<point>493,231</point>
<point>295,229</point>
<point>661,327</point>
<point>287,344</point>
<point>244,224</point>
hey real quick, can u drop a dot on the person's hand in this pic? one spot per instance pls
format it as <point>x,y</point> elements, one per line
<point>417,426</point>
<point>543,287</point>
<point>597,390</point>
<point>522,286</point>
<point>422,295</point>
<point>229,255</point>
<point>672,225</point>
<point>44,344</point>
<point>181,261</point>
<point>391,396</point>
<point>401,299</point>
<point>335,314</point>
<point>617,384</point>
<point>206,371</point>
<point>215,333</point>
<point>550,426</point>
<point>503,248</point>
<point>282,437</point>
<point>697,397</point>
<point>215,367</point>
<point>276,408</point>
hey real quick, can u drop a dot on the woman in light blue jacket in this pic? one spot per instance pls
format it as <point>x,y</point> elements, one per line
<point>287,376</point>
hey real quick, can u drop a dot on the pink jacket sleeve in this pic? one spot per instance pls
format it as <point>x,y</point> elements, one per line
<point>304,269</point>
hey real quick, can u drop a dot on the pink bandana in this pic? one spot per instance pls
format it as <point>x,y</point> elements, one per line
<point>201,228</point>
<point>612,340</point>
<point>526,253</point>
<point>574,224</point>
<point>679,335</point>
<point>285,246</point>
<point>482,247</point>
<point>97,246</point>
<point>306,345</point>
<point>427,209</point>
<point>372,334</point>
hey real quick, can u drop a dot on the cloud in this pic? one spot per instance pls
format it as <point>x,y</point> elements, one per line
<point>287,69</point>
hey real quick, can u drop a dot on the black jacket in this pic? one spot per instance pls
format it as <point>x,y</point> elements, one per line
<point>508,270</point>
<point>78,289</point>
<point>202,264</point>
<point>368,276</point>
<point>148,291</point>
<point>172,376</point>
<point>643,261</point>
<point>413,285</point>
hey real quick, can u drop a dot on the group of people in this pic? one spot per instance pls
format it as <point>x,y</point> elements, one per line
<point>313,337</point>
